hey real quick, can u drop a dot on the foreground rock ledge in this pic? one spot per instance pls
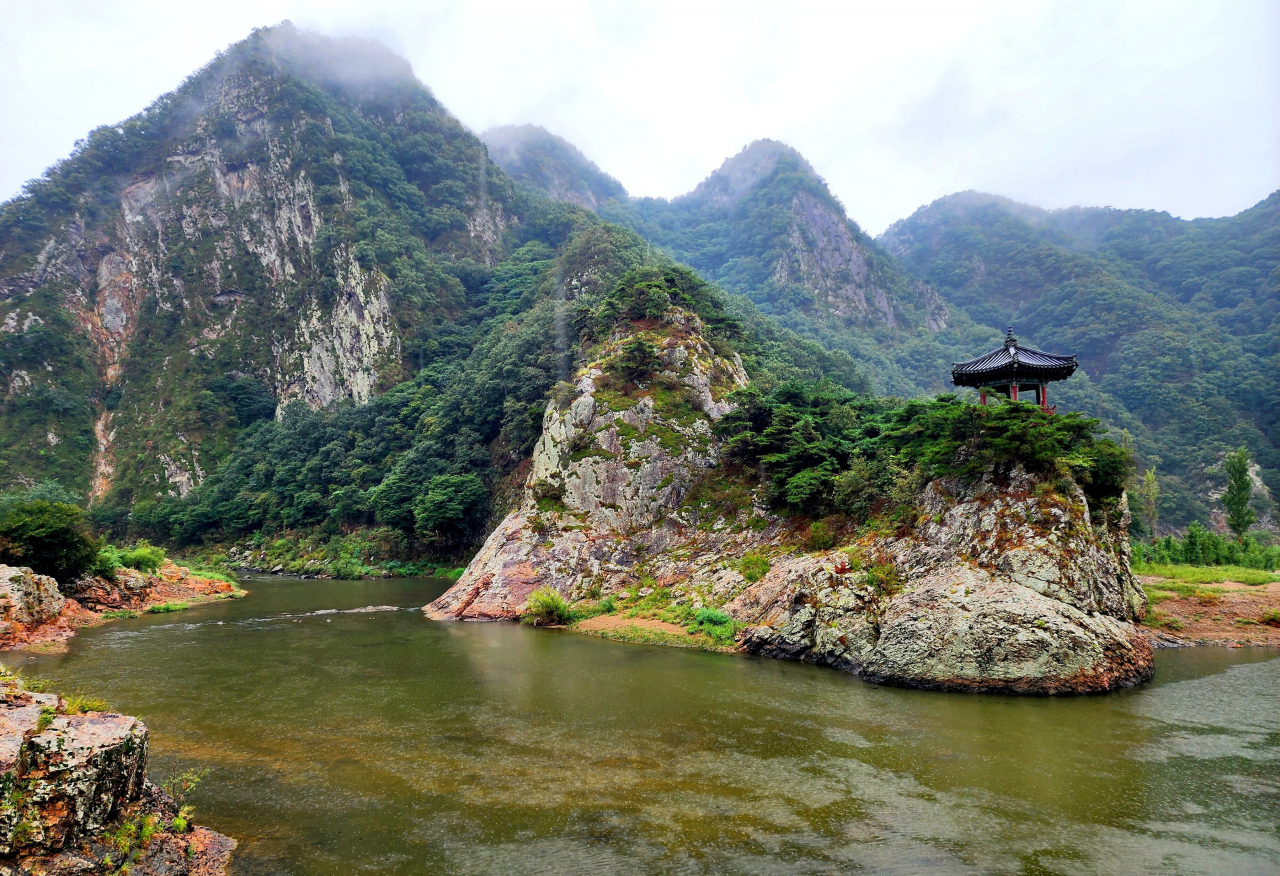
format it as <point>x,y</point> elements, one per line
<point>71,782</point>
<point>1007,585</point>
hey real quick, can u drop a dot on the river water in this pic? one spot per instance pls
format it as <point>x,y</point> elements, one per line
<point>380,742</point>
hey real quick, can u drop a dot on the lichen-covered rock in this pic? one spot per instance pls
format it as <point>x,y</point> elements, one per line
<point>70,781</point>
<point>1004,587</point>
<point>1007,584</point>
<point>26,599</point>
<point>65,776</point>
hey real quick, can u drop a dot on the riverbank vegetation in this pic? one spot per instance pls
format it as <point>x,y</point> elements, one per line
<point>1205,574</point>
<point>1202,547</point>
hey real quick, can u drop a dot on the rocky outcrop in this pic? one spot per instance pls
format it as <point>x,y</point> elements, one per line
<point>38,616</point>
<point>69,778</point>
<point>26,600</point>
<point>608,465</point>
<point>131,589</point>
<point>1009,584</point>
<point>1003,587</point>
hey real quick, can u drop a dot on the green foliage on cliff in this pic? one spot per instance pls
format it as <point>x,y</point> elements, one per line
<point>424,456</point>
<point>821,449</point>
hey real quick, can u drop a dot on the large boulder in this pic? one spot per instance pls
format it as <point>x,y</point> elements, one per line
<point>26,600</point>
<point>65,776</point>
<point>1004,586</point>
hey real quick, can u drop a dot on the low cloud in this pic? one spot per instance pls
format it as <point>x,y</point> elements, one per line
<point>1172,106</point>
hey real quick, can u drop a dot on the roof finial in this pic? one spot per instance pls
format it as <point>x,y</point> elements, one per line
<point>1010,340</point>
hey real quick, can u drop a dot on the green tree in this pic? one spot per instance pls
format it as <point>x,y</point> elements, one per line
<point>1149,495</point>
<point>637,359</point>
<point>50,537</point>
<point>451,508</point>
<point>1239,491</point>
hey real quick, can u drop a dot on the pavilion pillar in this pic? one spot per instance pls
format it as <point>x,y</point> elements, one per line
<point>983,395</point>
<point>1044,396</point>
<point>1013,390</point>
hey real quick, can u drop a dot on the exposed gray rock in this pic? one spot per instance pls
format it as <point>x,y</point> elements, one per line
<point>26,598</point>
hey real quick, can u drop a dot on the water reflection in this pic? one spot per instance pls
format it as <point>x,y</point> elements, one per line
<point>380,742</point>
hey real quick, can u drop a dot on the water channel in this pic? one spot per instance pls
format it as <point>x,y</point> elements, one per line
<point>344,742</point>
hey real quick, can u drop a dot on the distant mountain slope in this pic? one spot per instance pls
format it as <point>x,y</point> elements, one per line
<point>296,293</point>
<point>1175,322</point>
<point>551,164</point>
<point>764,225</point>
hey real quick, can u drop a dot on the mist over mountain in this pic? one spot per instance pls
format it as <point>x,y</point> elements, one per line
<point>764,225</point>
<point>297,292</point>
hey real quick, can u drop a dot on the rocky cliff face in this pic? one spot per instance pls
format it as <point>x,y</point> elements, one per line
<point>1009,584</point>
<point>609,471</point>
<point>225,237</point>
<point>68,778</point>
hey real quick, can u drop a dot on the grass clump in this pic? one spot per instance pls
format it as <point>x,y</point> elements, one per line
<point>546,608</point>
<point>165,607</point>
<point>1157,621</point>
<point>79,705</point>
<point>715,624</point>
<point>753,566</point>
<point>1271,617</point>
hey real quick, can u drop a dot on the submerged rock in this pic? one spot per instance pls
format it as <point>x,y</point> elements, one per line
<point>1005,585</point>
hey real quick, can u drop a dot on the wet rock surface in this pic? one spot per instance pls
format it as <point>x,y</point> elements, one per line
<point>76,798</point>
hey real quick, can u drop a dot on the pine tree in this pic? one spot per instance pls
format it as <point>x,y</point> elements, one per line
<point>1239,491</point>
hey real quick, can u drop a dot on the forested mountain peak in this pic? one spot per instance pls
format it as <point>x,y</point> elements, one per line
<point>551,164</point>
<point>740,173</point>
<point>296,292</point>
<point>300,221</point>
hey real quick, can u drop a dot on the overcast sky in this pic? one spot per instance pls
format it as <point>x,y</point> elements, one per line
<point>1165,105</point>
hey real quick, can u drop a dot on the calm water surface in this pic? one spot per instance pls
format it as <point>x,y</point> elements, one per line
<point>380,742</point>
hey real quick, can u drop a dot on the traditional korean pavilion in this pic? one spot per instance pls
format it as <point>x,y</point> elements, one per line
<point>1012,369</point>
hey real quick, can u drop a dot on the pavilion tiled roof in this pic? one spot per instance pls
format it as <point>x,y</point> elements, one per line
<point>1010,360</point>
